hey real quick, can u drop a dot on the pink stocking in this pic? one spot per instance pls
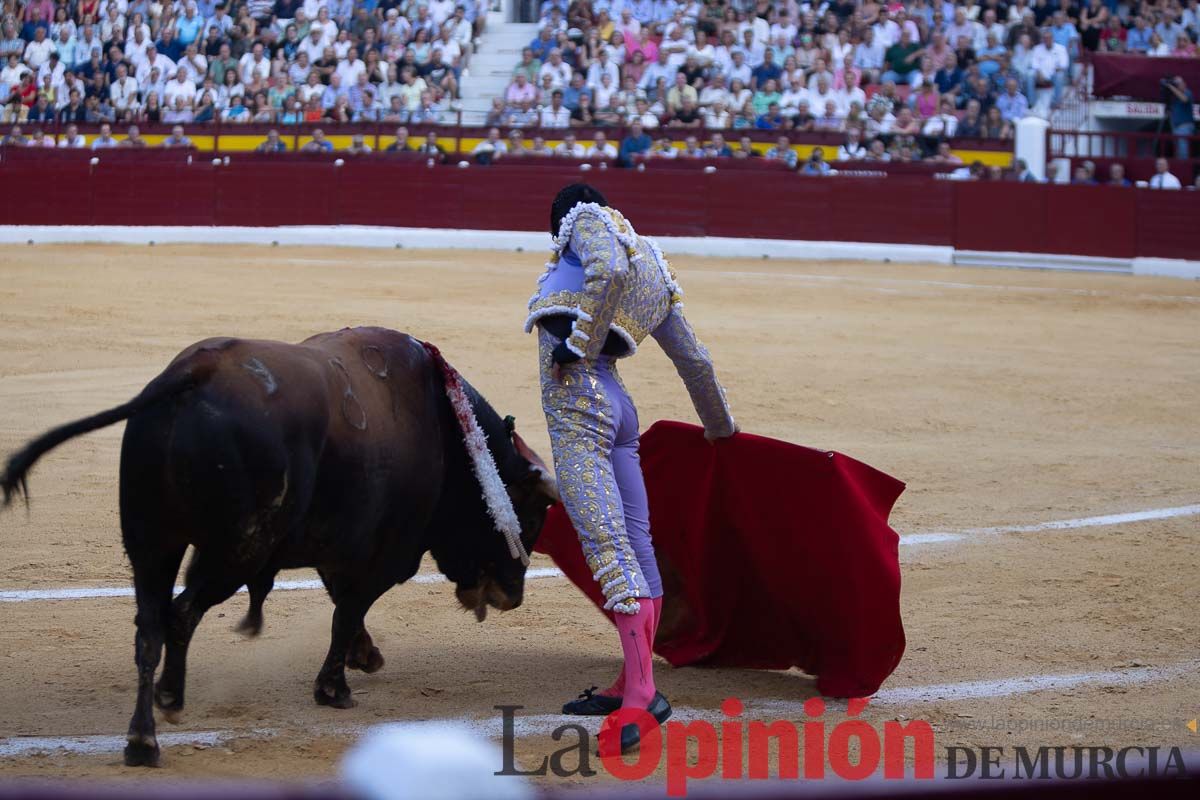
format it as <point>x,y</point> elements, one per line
<point>618,686</point>
<point>637,631</point>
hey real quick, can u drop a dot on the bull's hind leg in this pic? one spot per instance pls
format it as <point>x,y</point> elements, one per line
<point>209,582</point>
<point>153,581</point>
<point>352,600</point>
<point>362,654</point>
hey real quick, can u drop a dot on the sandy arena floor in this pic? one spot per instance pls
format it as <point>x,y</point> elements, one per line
<point>1002,398</point>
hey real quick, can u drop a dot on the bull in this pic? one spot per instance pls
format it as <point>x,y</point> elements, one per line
<point>343,453</point>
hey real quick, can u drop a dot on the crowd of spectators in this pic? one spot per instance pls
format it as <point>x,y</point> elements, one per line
<point>191,61</point>
<point>680,78</point>
<point>896,76</point>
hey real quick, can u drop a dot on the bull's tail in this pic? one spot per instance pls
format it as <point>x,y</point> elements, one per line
<point>179,377</point>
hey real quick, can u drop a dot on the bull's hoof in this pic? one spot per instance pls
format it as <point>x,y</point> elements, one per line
<point>142,752</point>
<point>373,663</point>
<point>251,625</point>
<point>333,696</point>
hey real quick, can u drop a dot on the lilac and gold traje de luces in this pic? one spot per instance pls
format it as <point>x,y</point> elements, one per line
<point>607,278</point>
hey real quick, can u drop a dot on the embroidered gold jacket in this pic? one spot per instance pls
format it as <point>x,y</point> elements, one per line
<point>608,278</point>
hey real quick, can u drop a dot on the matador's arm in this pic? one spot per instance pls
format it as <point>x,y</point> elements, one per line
<point>605,268</point>
<point>694,365</point>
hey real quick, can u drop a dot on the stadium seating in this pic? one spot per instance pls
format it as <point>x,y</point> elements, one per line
<point>906,74</point>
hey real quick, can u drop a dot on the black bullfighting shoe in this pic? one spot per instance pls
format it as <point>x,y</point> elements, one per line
<point>659,708</point>
<point>631,737</point>
<point>590,704</point>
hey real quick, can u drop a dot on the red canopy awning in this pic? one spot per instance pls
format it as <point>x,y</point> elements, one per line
<point>1119,75</point>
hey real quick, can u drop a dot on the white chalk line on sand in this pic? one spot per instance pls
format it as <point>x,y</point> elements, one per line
<point>1028,684</point>
<point>19,746</point>
<point>545,724</point>
<point>1054,525</point>
<point>910,539</point>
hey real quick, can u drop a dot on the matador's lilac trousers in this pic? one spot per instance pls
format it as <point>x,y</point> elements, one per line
<point>594,433</point>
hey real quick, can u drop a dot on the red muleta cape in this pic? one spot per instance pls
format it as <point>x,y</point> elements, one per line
<point>772,556</point>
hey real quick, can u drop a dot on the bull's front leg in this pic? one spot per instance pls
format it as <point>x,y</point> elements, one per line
<point>363,653</point>
<point>209,583</point>
<point>331,688</point>
<point>352,598</point>
<point>168,692</point>
<point>260,587</point>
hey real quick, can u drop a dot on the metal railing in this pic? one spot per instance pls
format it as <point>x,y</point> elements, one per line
<point>1122,145</point>
<point>1074,110</point>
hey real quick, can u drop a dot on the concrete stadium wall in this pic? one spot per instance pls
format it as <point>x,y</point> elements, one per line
<point>1112,225</point>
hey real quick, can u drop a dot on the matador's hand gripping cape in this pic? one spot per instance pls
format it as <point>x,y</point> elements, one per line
<point>772,556</point>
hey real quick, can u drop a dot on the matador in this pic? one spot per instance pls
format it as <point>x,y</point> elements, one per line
<point>604,290</point>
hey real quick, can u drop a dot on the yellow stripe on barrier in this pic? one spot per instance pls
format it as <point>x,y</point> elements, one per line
<point>989,158</point>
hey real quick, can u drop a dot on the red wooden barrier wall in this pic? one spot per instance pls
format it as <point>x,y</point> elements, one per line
<point>255,191</point>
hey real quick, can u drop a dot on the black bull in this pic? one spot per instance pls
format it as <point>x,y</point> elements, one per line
<point>340,453</point>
